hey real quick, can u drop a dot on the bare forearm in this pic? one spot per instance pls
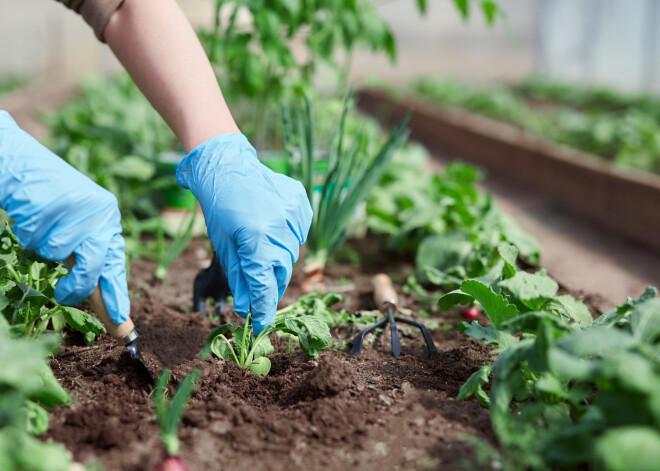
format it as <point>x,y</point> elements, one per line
<point>158,47</point>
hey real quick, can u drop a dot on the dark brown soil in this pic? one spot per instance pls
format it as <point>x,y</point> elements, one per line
<point>370,412</point>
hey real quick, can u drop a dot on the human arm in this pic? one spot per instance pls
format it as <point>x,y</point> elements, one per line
<point>159,48</point>
<point>256,219</point>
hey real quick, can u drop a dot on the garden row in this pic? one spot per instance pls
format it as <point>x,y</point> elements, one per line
<point>563,390</point>
<point>558,370</point>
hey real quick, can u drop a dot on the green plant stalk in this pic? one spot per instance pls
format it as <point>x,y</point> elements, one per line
<point>170,412</point>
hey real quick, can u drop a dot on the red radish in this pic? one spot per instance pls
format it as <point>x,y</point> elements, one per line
<point>171,463</point>
<point>470,313</point>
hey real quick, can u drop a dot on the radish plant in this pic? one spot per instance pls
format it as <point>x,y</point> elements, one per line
<point>250,352</point>
<point>565,387</point>
<point>169,413</point>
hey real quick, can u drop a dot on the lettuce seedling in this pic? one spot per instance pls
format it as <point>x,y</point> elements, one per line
<point>250,352</point>
<point>169,413</point>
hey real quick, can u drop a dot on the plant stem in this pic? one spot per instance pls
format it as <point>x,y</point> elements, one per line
<point>13,273</point>
<point>247,327</point>
<point>231,349</point>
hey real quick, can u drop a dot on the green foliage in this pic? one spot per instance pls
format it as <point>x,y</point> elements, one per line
<point>352,172</point>
<point>456,230</point>
<point>250,352</point>
<point>27,289</point>
<point>27,387</point>
<point>614,126</point>
<point>565,392</point>
<point>170,411</point>
<point>251,44</point>
<point>318,305</point>
<point>490,10</point>
<point>474,386</point>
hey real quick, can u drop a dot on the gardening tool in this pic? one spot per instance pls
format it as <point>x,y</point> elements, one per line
<point>125,332</point>
<point>211,282</point>
<point>387,301</point>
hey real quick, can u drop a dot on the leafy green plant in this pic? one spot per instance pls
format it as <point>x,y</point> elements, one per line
<point>252,46</point>
<point>27,388</point>
<point>250,352</point>
<point>565,386</point>
<point>27,289</point>
<point>169,413</point>
<point>352,173</point>
<point>453,228</point>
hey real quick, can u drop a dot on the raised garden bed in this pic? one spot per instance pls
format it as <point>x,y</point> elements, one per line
<point>622,202</point>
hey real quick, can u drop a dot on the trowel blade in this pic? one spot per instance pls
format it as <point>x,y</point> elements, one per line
<point>134,350</point>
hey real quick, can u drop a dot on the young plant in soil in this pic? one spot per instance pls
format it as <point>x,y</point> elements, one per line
<point>352,172</point>
<point>169,413</point>
<point>250,352</point>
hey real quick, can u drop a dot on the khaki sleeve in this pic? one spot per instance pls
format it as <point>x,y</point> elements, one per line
<point>95,12</point>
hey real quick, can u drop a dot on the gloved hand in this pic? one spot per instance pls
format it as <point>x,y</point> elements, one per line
<point>256,219</point>
<point>58,211</point>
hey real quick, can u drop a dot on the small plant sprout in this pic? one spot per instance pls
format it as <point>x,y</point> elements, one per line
<point>250,352</point>
<point>169,413</point>
<point>246,351</point>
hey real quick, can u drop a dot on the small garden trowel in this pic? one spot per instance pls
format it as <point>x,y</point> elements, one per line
<point>124,333</point>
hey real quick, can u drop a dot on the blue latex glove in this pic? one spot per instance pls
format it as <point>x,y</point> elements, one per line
<point>59,211</point>
<point>256,219</point>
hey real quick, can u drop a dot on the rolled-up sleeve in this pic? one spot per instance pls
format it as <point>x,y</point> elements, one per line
<point>95,12</point>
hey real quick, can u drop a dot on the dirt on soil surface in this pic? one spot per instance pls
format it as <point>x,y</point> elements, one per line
<point>365,412</point>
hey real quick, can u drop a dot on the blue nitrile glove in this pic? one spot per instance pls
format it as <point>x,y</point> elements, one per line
<point>256,219</point>
<point>59,211</point>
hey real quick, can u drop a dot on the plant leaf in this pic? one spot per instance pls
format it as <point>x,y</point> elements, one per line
<point>452,298</point>
<point>531,289</point>
<point>474,386</point>
<point>496,307</point>
<point>82,322</point>
<point>490,335</point>
<point>626,448</point>
<point>313,334</point>
<point>260,366</point>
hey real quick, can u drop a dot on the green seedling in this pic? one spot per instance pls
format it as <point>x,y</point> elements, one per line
<point>250,352</point>
<point>169,413</point>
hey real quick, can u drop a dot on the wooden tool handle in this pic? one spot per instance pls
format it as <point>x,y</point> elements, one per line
<point>95,300</point>
<point>384,293</point>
